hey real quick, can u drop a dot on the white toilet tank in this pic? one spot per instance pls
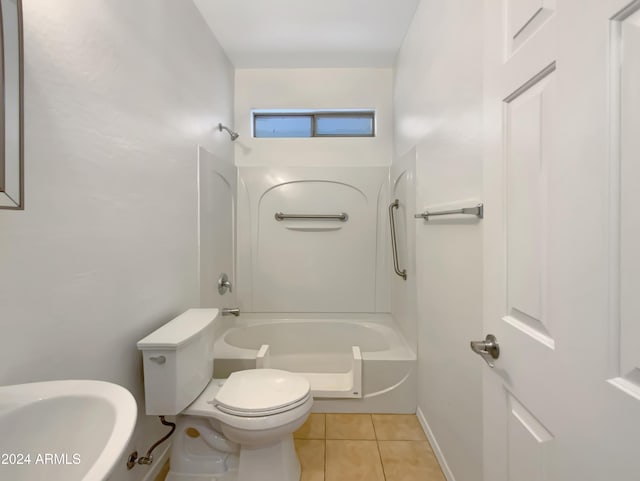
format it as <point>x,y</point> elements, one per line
<point>178,361</point>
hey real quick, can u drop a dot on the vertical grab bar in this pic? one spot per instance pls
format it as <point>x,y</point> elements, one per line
<point>394,245</point>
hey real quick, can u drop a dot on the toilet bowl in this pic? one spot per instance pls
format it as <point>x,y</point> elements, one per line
<point>238,429</point>
<point>257,424</point>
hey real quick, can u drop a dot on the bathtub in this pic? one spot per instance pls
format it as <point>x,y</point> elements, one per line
<point>359,363</point>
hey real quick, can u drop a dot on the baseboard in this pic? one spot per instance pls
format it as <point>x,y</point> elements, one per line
<point>159,459</point>
<point>436,447</point>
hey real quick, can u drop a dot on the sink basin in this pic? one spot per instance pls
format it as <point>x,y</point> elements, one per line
<point>64,430</point>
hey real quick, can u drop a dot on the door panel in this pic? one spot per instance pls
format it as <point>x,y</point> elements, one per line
<point>526,140</point>
<point>524,18</point>
<point>529,444</point>
<point>627,105</point>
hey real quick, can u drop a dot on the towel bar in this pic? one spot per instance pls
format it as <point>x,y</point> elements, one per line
<point>478,211</point>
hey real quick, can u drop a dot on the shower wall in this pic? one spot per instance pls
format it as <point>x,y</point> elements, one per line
<point>217,184</point>
<point>300,265</point>
<point>404,295</point>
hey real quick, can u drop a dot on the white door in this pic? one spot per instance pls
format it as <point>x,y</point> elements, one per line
<point>562,240</point>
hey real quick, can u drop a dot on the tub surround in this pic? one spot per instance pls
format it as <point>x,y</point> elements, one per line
<point>299,265</point>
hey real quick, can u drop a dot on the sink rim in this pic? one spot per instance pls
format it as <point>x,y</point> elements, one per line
<point>124,405</point>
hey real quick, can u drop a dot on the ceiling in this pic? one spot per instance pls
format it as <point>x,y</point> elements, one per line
<point>309,33</point>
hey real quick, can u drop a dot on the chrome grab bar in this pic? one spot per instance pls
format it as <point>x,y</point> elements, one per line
<point>478,211</point>
<point>341,217</point>
<point>392,223</point>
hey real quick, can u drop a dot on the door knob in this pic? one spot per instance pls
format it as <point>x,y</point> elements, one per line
<point>489,349</point>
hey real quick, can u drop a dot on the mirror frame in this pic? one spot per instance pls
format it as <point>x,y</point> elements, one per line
<point>11,115</point>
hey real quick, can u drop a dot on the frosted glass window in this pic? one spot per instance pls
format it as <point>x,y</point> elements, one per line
<point>308,123</point>
<point>344,125</point>
<point>283,126</point>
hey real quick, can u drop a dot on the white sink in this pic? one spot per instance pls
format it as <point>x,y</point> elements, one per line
<point>63,430</point>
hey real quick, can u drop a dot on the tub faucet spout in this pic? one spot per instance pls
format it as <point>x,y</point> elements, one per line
<point>231,311</point>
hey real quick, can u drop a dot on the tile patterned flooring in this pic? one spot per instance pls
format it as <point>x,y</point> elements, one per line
<point>363,447</point>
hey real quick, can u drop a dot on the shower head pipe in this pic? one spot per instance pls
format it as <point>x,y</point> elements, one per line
<point>232,134</point>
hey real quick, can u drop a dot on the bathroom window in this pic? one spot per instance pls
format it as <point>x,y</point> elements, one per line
<point>298,123</point>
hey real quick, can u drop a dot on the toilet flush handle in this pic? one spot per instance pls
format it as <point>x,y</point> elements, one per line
<point>158,359</point>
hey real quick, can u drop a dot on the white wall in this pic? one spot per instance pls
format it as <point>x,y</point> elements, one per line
<point>118,95</point>
<point>438,104</point>
<point>314,89</point>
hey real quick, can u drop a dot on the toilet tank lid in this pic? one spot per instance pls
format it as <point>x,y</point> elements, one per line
<point>179,330</point>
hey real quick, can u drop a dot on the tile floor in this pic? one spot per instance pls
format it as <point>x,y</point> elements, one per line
<point>363,447</point>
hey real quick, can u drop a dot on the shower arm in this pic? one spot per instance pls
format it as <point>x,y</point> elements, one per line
<point>232,134</point>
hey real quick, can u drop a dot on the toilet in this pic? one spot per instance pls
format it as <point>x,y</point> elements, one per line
<point>235,429</point>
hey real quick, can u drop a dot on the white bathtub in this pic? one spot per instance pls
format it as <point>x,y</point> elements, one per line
<point>355,364</point>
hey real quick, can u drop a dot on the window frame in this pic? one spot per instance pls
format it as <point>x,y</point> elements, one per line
<point>314,115</point>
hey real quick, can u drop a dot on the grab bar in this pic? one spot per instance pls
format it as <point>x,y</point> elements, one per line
<point>341,217</point>
<point>478,211</point>
<point>392,223</point>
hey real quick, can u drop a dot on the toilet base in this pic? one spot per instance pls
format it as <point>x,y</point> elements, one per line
<point>228,476</point>
<point>275,462</point>
<point>200,452</point>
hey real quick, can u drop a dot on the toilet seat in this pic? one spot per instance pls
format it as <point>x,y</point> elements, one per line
<point>261,392</point>
<point>269,412</point>
<point>205,406</point>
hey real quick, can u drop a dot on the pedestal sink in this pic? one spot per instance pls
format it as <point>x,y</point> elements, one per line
<point>63,430</point>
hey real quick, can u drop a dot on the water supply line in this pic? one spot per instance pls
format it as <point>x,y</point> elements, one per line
<point>133,458</point>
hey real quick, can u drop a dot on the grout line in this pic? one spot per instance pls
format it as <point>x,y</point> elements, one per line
<point>325,426</point>
<point>384,473</point>
<point>375,433</point>
<point>324,471</point>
